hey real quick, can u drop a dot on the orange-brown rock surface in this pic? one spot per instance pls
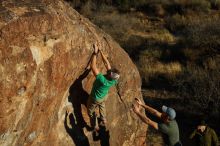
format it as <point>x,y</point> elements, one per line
<point>45,47</point>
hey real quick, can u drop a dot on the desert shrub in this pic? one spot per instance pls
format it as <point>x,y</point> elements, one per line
<point>155,72</point>
<point>123,28</point>
<point>176,23</point>
<point>124,3</point>
<point>133,45</point>
<point>199,85</point>
<point>86,9</point>
<point>74,3</point>
<point>151,6</point>
<point>198,5</point>
<point>215,4</point>
<point>175,6</point>
<point>192,5</point>
<point>203,34</point>
<point>196,31</point>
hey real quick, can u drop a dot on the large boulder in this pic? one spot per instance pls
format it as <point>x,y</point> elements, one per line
<point>45,47</point>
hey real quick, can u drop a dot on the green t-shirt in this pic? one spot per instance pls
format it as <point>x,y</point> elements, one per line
<point>170,131</point>
<point>101,87</point>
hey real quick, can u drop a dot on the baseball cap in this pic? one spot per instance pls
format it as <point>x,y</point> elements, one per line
<point>114,73</point>
<point>202,121</point>
<point>114,76</point>
<point>169,111</point>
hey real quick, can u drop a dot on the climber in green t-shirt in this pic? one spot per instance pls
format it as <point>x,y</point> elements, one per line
<point>100,88</point>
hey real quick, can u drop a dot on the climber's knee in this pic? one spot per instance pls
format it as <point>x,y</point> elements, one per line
<point>102,111</point>
<point>91,107</point>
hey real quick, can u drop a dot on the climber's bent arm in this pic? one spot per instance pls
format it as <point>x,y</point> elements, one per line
<point>152,111</point>
<point>93,65</point>
<point>148,121</point>
<point>105,61</point>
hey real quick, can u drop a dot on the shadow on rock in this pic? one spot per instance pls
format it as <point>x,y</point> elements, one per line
<point>74,122</point>
<point>104,136</point>
<point>76,133</point>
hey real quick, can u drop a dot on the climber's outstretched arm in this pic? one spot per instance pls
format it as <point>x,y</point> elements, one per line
<point>148,108</point>
<point>105,61</point>
<point>145,119</point>
<point>93,63</point>
<point>148,121</point>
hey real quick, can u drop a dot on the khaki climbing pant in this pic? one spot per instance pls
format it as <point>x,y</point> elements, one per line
<point>92,104</point>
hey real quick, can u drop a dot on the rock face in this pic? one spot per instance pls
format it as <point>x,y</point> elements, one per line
<point>45,47</point>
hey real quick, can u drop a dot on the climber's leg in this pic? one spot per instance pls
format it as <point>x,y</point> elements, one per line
<point>91,106</point>
<point>102,111</point>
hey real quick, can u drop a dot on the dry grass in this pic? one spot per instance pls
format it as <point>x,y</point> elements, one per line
<point>200,86</point>
<point>131,30</point>
<point>169,70</point>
